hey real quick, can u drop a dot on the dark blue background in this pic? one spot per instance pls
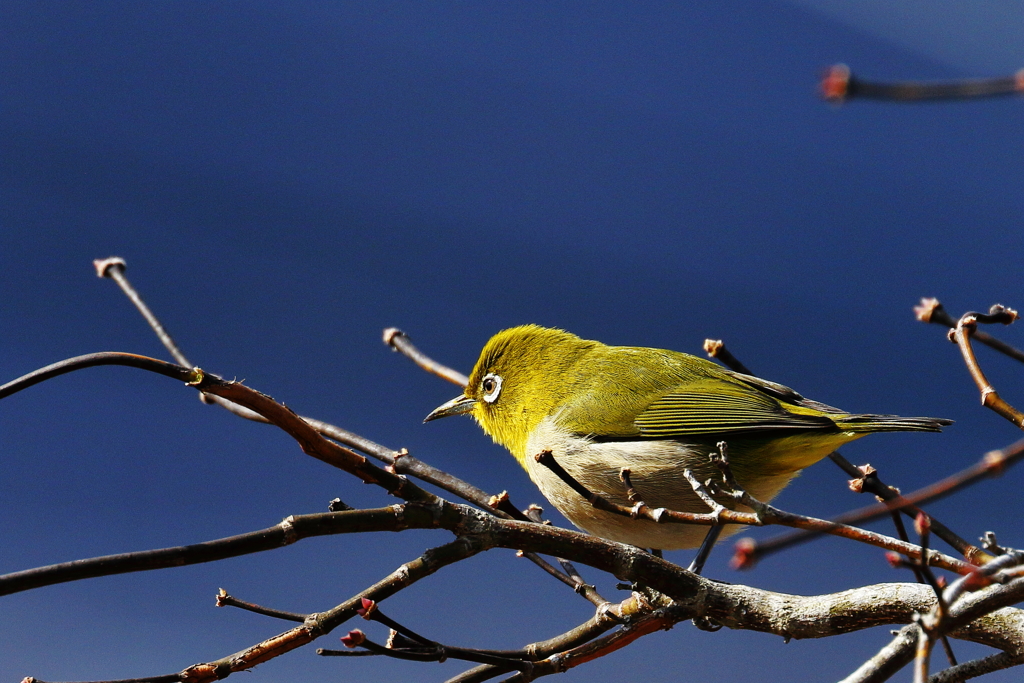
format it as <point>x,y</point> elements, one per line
<point>286,180</point>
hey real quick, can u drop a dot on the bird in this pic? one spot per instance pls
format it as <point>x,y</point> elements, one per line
<point>599,409</point>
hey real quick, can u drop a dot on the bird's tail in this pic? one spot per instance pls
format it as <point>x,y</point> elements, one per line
<point>891,423</point>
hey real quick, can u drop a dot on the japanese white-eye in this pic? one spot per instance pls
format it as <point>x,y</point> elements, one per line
<point>601,408</point>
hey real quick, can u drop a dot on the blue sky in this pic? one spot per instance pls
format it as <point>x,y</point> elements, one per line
<point>285,181</point>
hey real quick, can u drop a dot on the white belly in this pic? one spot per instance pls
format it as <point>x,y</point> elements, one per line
<point>656,472</point>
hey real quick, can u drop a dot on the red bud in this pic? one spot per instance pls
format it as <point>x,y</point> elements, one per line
<point>743,554</point>
<point>353,639</point>
<point>922,524</point>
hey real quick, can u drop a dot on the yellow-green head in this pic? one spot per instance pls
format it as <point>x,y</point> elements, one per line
<point>536,362</point>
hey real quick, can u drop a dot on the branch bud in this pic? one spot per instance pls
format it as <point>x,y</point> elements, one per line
<point>354,638</point>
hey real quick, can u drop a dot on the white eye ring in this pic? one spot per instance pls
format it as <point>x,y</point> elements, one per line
<point>491,384</point>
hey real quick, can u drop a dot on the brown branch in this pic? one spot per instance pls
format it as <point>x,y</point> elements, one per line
<point>930,310</point>
<point>601,622</point>
<point>732,606</point>
<point>983,611</point>
<point>113,268</point>
<point>992,464</point>
<point>400,461</point>
<point>961,335</point>
<point>765,515</point>
<point>748,552</point>
<point>399,341</point>
<point>715,348</point>
<point>561,662</point>
<point>978,667</point>
<point>433,652</point>
<point>839,85</point>
<point>309,440</point>
<point>92,360</point>
<point>291,530</point>
<point>226,600</point>
<point>588,591</point>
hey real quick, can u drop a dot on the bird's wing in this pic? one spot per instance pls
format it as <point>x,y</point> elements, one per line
<point>722,406</point>
<point>783,393</point>
<point>669,394</point>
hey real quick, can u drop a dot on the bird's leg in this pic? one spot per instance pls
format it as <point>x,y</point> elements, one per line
<point>721,461</point>
<point>697,566</point>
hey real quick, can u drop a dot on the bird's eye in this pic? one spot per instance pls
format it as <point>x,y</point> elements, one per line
<point>491,385</point>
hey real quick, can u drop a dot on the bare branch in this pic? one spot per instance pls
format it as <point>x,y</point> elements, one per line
<point>748,551</point>
<point>399,341</point>
<point>992,464</point>
<point>931,310</point>
<point>961,335</point>
<point>292,529</point>
<point>839,85</point>
<point>225,600</point>
<point>765,515</point>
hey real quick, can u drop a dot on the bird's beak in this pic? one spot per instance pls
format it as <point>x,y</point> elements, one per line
<point>456,406</point>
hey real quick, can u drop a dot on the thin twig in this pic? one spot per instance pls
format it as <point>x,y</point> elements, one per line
<point>291,530</point>
<point>839,85</point>
<point>992,464</point>
<point>961,335</point>
<point>715,348</point>
<point>226,600</point>
<point>601,622</point>
<point>765,515</point>
<point>748,551</point>
<point>399,341</point>
<point>931,310</point>
<point>114,267</point>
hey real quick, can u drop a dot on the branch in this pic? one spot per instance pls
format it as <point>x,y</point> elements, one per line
<point>400,462</point>
<point>992,464</point>
<point>961,335</point>
<point>733,606</point>
<point>92,360</point>
<point>291,530</point>
<point>601,622</point>
<point>399,341</point>
<point>839,85</point>
<point>765,515</point>
<point>931,310</point>
<point>865,479</point>
<point>981,616</point>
